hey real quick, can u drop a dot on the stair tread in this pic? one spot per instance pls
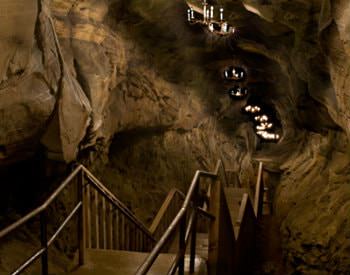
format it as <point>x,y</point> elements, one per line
<point>111,262</point>
<point>106,262</point>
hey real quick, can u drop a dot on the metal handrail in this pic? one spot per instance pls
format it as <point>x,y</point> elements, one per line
<point>179,220</point>
<point>78,208</point>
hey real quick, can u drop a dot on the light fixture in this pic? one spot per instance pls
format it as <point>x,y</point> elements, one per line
<point>234,73</point>
<point>256,109</point>
<point>211,27</point>
<point>237,92</point>
<point>252,109</point>
<point>224,27</point>
<point>264,126</point>
<point>268,136</point>
<point>262,118</point>
<point>218,27</point>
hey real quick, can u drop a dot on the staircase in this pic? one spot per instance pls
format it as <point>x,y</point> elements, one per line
<point>189,235</point>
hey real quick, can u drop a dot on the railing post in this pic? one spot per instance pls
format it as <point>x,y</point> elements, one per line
<point>259,192</point>
<point>194,229</point>
<point>81,218</point>
<point>182,245</point>
<point>43,239</point>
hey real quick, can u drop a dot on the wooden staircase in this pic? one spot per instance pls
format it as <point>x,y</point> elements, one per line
<point>113,241</point>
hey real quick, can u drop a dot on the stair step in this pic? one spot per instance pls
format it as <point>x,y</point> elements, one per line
<point>112,262</point>
<point>107,262</point>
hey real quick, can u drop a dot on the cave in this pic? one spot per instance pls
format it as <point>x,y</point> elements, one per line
<point>175,137</point>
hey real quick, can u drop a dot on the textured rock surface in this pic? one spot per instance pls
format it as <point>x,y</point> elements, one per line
<point>79,76</point>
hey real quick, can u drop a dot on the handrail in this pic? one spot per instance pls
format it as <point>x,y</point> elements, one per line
<point>179,220</point>
<point>114,200</point>
<point>42,207</point>
<point>231,256</point>
<point>83,173</point>
<point>162,211</point>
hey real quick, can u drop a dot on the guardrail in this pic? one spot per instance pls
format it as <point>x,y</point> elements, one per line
<point>102,218</point>
<point>186,222</point>
<point>167,212</point>
<point>105,222</point>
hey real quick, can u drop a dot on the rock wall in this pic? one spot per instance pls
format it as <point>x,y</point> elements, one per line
<point>128,87</point>
<point>308,41</point>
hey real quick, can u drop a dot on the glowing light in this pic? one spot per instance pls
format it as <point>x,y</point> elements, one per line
<point>256,109</point>
<point>220,27</point>
<point>224,27</point>
<point>253,110</point>
<point>260,127</point>
<point>221,14</point>
<point>248,108</point>
<point>268,136</point>
<point>231,72</point>
<point>237,92</point>
<point>211,27</point>
<point>262,118</point>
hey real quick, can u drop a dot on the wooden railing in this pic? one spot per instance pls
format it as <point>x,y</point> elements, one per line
<point>232,241</point>
<point>167,212</point>
<point>109,224</point>
<point>103,221</point>
<point>185,223</point>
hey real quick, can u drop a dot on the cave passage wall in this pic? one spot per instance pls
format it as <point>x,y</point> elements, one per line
<point>134,92</point>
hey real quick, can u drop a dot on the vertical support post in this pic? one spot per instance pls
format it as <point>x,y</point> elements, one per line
<point>104,228</point>
<point>97,222</point>
<point>182,245</point>
<point>87,207</point>
<point>81,218</point>
<point>43,239</point>
<point>214,228</point>
<point>194,229</point>
<point>259,192</point>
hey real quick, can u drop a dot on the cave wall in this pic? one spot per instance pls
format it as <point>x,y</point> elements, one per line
<point>127,87</point>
